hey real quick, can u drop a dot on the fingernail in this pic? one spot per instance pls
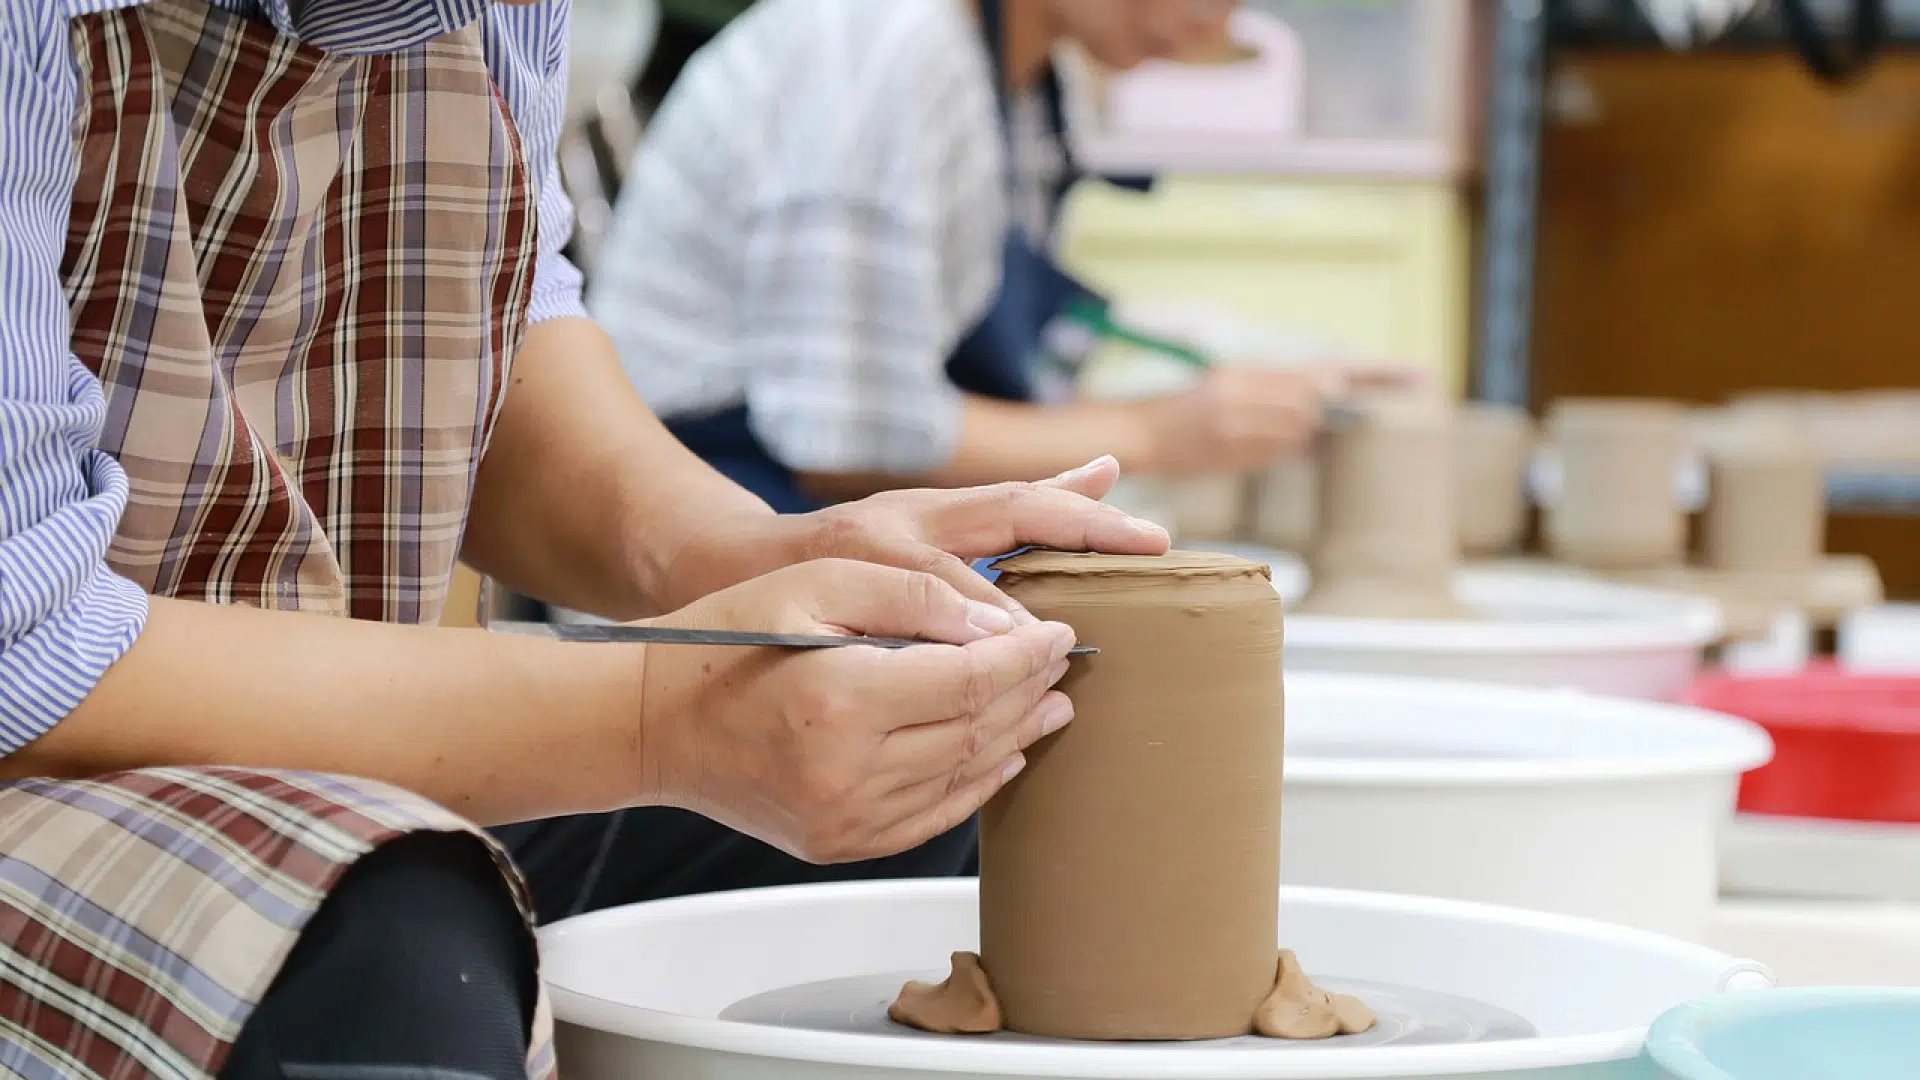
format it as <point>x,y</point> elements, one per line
<point>1058,714</point>
<point>1147,528</point>
<point>1089,468</point>
<point>988,619</point>
<point>1063,643</point>
<point>1021,616</point>
<point>1014,767</point>
<point>1058,671</point>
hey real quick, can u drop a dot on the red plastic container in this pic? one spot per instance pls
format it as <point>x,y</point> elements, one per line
<point>1846,747</point>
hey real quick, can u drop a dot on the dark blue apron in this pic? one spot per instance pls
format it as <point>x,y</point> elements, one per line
<point>997,359</point>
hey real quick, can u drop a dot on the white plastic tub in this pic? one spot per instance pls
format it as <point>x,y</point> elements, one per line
<point>639,991</point>
<point>1554,800</point>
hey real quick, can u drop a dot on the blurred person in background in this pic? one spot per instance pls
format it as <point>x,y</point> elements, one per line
<point>828,269</point>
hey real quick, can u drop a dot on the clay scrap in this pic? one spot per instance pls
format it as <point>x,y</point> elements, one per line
<point>1297,1009</point>
<point>962,1004</point>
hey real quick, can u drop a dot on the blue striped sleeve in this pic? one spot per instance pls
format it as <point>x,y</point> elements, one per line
<point>64,617</point>
<point>527,51</point>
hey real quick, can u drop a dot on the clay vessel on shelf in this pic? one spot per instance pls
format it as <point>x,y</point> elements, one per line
<point>1617,507</point>
<point>1129,878</point>
<point>1766,499</point>
<point>1386,546</point>
<point>1492,447</point>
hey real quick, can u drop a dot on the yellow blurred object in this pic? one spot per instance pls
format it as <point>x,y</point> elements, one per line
<point>1372,270</point>
<point>463,599</point>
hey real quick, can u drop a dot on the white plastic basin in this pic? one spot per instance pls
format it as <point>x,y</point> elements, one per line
<point>1555,800</point>
<point>639,990</point>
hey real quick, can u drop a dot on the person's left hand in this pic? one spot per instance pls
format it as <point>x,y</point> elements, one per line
<point>934,532</point>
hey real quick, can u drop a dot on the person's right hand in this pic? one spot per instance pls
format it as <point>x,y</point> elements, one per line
<point>1234,419</point>
<point>837,755</point>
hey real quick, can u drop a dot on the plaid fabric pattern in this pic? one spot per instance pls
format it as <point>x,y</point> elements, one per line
<point>142,916</point>
<point>300,277</point>
<point>301,299</point>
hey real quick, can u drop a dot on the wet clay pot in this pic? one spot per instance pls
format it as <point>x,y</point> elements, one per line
<point>1766,497</point>
<point>1387,546</point>
<point>1492,446</point>
<point>1617,507</point>
<point>1129,878</point>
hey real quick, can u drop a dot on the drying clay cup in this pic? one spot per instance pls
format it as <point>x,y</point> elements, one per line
<point>1286,502</point>
<point>1129,878</point>
<point>1766,503</point>
<point>1492,447</point>
<point>1387,546</point>
<point>1617,507</point>
<point>1210,506</point>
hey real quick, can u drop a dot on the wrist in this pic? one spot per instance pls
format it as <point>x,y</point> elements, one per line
<point>613,751</point>
<point>702,552</point>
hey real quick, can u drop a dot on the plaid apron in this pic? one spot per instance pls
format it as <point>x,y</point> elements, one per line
<point>301,299</point>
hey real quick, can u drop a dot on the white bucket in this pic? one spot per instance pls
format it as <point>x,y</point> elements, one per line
<point>639,990</point>
<point>1553,800</point>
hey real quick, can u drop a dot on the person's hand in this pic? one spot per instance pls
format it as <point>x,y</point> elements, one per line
<point>932,532</point>
<point>1239,418</point>
<point>836,755</point>
<point>1233,419</point>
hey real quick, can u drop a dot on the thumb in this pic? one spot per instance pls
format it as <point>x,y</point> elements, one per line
<point>885,601</point>
<point>1093,480</point>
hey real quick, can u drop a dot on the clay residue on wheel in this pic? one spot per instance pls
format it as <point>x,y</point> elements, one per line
<point>963,1004</point>
<point>1297,1009</point>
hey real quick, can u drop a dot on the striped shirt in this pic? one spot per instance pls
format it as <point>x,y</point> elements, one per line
<point>814,221</point>
<point>65,617</point>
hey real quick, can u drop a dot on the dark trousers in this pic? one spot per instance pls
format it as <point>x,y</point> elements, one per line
<point>581,864</point>
<point>418,964</point>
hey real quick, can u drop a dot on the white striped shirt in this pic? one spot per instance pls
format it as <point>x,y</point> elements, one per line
<point>64,616</point>
<point>812,223</point>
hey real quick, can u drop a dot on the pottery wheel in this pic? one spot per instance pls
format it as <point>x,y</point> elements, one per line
<point>1408,1017</point>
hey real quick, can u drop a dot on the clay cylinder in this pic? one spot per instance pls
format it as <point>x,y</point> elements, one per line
<point>1617,508</point>
<point>1492,445</point>
<point>1387,545</point>
<point>1766,503</point>
<point>1129,878</point>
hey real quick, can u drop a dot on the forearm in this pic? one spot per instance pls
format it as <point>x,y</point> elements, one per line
<point>493,727</point>
<point>1001,440</point>
<point>585,499</point>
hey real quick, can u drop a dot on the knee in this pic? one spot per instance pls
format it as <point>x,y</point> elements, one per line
<point>419,958</point>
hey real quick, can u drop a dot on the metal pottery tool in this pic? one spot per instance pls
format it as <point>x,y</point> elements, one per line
<point>663,635</point>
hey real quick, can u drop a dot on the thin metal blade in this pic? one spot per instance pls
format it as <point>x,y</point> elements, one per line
<point>663,635</point>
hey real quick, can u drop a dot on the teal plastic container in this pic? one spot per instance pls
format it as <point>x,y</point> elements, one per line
<point>1822,1033</point>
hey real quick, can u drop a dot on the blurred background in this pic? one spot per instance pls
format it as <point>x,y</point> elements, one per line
<point>1533,200</point>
